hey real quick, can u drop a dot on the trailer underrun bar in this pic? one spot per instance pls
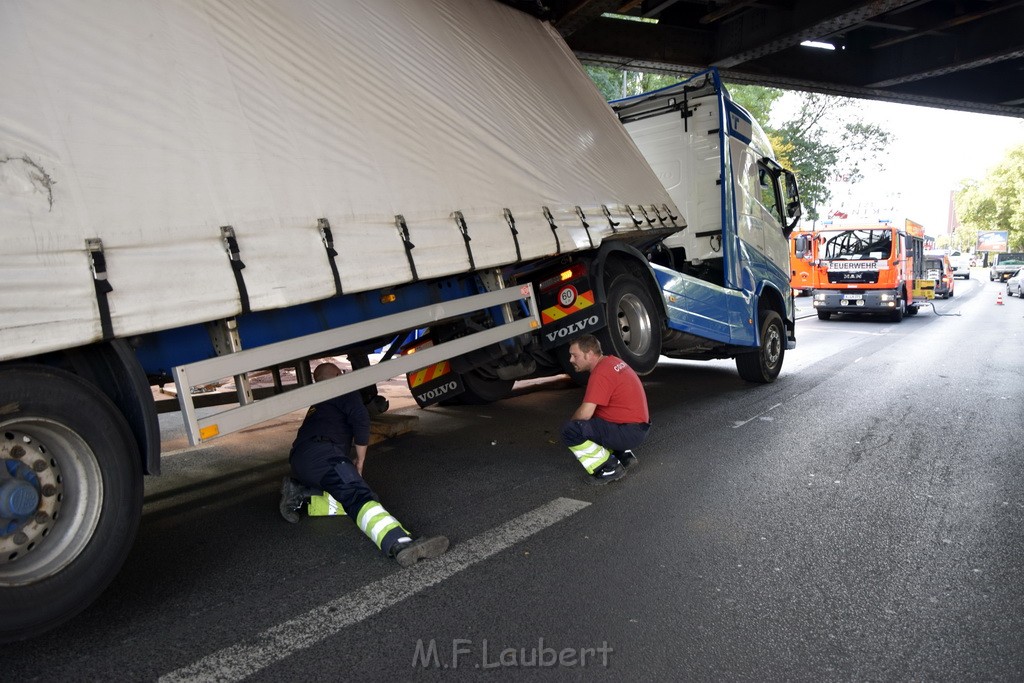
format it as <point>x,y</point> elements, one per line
<point>200,430</point>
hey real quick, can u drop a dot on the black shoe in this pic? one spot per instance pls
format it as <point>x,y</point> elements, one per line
<point>407,553</point>
<point>606,474</point>
<point>627,458</point>
<point>293,495</point>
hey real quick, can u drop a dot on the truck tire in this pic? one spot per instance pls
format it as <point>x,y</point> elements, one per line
<point>62,438</point>
<point>633,332</point>
<point>482,389</point>
<point>765,364</point>
<point>901,308</point>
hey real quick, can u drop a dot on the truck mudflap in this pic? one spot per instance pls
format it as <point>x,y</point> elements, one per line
<point>434,383</point>
<point>567,313</point>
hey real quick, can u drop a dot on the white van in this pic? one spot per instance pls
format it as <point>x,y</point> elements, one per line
<point>961,264</point>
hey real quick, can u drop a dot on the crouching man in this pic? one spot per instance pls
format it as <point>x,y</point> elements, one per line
<point>613,417</point>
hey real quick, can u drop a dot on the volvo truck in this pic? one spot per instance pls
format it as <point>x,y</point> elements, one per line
<point>198,191</point>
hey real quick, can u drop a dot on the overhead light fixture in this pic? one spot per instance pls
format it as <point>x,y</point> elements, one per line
<point>818,44</point>
<point>627,17</point>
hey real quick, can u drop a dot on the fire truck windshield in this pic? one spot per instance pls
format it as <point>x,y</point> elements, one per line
<point>859,245</point>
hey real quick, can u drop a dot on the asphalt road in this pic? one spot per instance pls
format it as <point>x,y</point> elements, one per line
<point>860,519</point>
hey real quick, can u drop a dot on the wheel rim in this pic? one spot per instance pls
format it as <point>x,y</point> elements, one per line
<point>772,345</point>
<point>634,324</point>
<point>68,481</point>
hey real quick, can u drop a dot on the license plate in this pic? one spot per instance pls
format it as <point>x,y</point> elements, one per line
<point>853,297</point>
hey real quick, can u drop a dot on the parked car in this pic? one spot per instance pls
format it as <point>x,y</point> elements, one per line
<point>1015,285</point>
<point>937,267</point>
<point>1005,265</point>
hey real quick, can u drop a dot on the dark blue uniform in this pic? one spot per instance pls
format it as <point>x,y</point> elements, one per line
<point>320,456</point>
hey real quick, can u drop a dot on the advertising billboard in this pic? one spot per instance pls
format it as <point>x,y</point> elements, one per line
<point>993,240</point>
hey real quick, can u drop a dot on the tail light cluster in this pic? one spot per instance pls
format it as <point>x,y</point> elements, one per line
<point>573,272</point>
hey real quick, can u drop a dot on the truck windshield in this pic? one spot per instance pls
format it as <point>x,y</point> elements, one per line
<point>859,245</point>
<point>1010,259</point>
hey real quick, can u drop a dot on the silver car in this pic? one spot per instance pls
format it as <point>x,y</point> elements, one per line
<point>1015,285</point>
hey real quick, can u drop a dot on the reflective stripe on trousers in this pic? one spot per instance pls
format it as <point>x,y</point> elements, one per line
<point>324,505</point>
<point>591,455</point>
<point>375,522</point>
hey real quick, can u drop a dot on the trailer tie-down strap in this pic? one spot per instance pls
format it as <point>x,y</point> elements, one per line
<point>403,231</point>
<point>103,287</point>
<point>328,239</point>
<point>608,214</point>
<point>671,217</point>
<point>460,221</point>
<point>586,225</point>
<point>227,234</point>
<point>510,219</point>
<point>647,217</point>
<point>554,228</point>
<point>636,221</point>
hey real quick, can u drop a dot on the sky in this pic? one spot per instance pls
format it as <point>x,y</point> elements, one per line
<point>932,151</point>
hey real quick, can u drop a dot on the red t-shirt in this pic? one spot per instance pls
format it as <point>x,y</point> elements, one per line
<point>617,392</point>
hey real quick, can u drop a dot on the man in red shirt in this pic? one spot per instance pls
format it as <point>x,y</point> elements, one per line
<point>613,418</point>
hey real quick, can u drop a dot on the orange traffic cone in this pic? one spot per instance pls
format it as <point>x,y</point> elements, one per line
<point>999,298</point>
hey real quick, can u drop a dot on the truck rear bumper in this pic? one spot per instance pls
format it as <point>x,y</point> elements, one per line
<point>865,301</point>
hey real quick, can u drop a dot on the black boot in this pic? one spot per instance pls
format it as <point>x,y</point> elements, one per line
<point>608,472</point>
<point>627,458</point>
<point>407,553</point>
<point>293,495</point>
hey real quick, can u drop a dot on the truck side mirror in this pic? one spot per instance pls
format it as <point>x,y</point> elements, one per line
<point>802,246</point>
<point>793,209</point>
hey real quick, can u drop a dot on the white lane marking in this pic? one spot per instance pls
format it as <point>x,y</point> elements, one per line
<point>736,424</point>
<point>834,328</point>
<point>236,662</point>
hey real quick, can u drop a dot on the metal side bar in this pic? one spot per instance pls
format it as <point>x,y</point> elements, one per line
<point>201,372</point>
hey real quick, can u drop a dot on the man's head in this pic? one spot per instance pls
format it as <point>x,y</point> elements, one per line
<point>584,353</point>
<point>325,371</point>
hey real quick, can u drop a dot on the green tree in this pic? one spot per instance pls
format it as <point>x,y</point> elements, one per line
<point>829,140</point>
<point>615,84</point>
<point>996,202</point>
<point>755,99</point>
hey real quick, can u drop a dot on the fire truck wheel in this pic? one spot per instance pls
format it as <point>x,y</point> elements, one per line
<point>73,497</point>
<point>901,310</point>
<point>765,364</point>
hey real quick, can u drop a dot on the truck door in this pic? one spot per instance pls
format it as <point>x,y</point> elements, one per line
<point>775,244</point>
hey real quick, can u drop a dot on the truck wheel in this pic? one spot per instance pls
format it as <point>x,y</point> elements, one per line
<point>900,310</point>
<point>824,315</point>
<point>71,476</point>
<point>481,389</point>
<point>765,364</point>
<point>634,325</point>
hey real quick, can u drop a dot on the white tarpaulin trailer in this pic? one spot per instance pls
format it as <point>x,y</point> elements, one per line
<point>132,133</point>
